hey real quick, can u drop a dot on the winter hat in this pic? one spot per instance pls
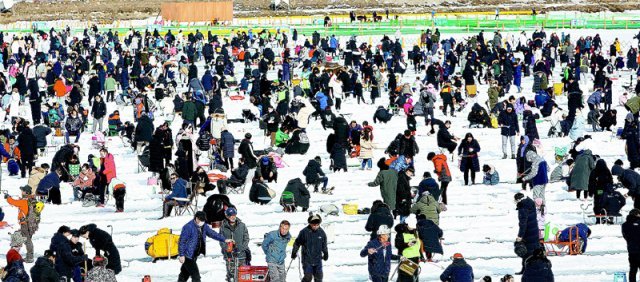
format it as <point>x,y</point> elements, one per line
<point>26,189</point>
<point>617,170</point>
<point>430,156</point>
<point>100,261</point>
<point>75,233</point>
<point>518,197</point>
<point>49,253</point>
<point>265,160</point>
<point>426,174</point>
<point>247,135</point>
<point>17,240</point>
<point>458,256</point>
<point>384,230</point>
<point>231,211</point>
<point>314,219</point>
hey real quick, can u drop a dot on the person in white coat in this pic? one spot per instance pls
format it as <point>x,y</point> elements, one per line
<point>14,107</point>
<point>302,117</point>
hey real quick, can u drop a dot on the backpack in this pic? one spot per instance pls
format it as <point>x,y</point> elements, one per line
<point>287,201</point>
<point>304,139</point>
<point>204,141</point>
<point>32,218</point>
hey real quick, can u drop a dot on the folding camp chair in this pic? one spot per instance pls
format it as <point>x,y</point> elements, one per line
<point>185,205</point>
<point>235,188</point>
<point>113,131</point>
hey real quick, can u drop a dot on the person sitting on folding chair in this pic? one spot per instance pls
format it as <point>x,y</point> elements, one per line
<point>237,179</point>
<point>83,183</point>
<point>179,190</point>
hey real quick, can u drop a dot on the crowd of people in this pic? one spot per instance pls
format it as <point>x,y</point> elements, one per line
<point>69,85</point>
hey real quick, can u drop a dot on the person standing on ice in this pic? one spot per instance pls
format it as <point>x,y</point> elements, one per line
<point>379,254</point>
<point>631,233</point>
<point>274,246</point>
<point>193,243</point>
<point>313,241</point>
<point>528,231</point>
<point>233,228</point>
<point>102,241</point>
<point>509,128</point>
<point>537,174</point>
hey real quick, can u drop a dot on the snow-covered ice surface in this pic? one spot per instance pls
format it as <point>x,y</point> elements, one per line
<point>481,221</point>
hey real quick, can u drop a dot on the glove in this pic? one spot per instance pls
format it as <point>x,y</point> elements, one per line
<point>294,255</point>
<point>325,257</point>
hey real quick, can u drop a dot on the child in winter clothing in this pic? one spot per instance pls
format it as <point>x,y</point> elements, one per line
<point>540,215</point>
<point>491,176</point>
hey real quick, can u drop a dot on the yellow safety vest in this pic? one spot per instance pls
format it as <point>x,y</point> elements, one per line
<point>413,251</point>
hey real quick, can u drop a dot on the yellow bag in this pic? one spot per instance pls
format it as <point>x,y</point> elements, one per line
<point>494,121</point>
<point>558,88</point>
<point>158,246</point>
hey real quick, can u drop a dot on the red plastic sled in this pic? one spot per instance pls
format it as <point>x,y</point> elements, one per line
<point>236,97</point>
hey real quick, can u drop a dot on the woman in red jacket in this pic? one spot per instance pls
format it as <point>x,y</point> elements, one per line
<point>107,172</point>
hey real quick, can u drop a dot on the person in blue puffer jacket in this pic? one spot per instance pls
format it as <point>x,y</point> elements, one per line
<point>379,255</point>
<point>458,271</point>
<point>528,231</point>
<point>581,231</point>
<point>274,246</point>
<point>322,100</point>
<point>193,243</point>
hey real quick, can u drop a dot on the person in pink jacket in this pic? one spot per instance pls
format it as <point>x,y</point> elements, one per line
<point>83,183</point>
<point>107,172</point>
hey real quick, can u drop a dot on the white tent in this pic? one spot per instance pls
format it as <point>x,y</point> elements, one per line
<point>6,5</point>
<point>279,4</point>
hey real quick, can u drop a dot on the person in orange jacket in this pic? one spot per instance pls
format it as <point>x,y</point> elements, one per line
<point>442,170</point>
<point>23,210</point>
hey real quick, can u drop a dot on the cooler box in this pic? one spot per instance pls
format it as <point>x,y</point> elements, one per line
<point>248,273</point>
<point>557,88</point>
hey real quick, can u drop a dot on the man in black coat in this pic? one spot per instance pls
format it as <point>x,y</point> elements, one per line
<point>246,151</point>
<point>27,145</point>
<point>314,175</point>
<point>631,233</point>
<point>407,145</point>
<point>44,268</point>
<point>144,131</point>
<point>65,260</point>
<point>528,231</point>
<point>101,241</point>
<point>509,128</point>
<point>98,111</point>
<point>403,194</point>
<point>35,101</point>
<point>538,267</point>
<point>380,215</point>
<point>313,241</point>
<point>445,139</point>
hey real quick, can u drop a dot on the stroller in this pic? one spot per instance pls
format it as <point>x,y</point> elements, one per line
<point>98,140</point>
